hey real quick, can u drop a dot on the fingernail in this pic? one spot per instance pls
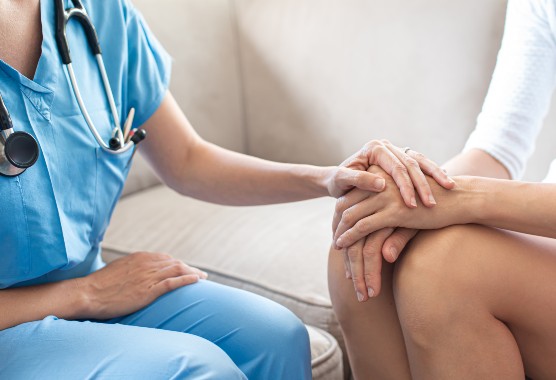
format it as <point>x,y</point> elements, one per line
<point>205,274</point>
<point>347,274</point>
<point>339,242</point>
<point>432,200</point>
<point>413,202</point>
<point>371,292</point>
<point>360,297</point>
<point>451,180</point>
<point>393,253</point>
<point>380,183</point>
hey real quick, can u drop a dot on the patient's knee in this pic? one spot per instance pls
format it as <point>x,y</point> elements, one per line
<point>431,278</point>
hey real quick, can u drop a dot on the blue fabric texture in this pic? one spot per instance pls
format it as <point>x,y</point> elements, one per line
<point>60,208</point>
<point>201,331</point>
<point>54,217</point>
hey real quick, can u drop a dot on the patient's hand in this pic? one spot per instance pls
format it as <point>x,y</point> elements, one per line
<point>407,168</point>
<point>367,225</point>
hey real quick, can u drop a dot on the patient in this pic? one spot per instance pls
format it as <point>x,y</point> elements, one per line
<point>473,297</point>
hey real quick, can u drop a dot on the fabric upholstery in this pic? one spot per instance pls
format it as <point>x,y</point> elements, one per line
<point>278,251</point>
<point>326,356</point>
<point>206,80</point>
<point>273,248</point>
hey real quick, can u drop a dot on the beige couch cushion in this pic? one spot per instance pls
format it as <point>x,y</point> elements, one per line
<point>326,356</point>
<point>279,251</point>
<point>206,80</point>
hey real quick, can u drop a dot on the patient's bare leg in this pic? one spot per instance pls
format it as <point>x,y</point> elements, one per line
<point>478,303</point>
<point>372,331</point>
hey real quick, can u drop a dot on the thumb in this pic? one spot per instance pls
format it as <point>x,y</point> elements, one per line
<point>348,178</point>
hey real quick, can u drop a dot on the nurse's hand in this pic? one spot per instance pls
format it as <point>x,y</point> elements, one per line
<point>133,282</point>
<point>405,166</point>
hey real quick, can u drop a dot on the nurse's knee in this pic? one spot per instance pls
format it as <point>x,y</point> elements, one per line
<point>172,356</point>
<point>201,359</point>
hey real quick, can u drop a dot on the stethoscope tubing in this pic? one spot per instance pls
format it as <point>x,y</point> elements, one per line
<point>63,17</point>
<point>127,146</point>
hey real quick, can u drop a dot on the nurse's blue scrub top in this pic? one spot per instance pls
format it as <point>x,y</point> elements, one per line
<point>53,217</point>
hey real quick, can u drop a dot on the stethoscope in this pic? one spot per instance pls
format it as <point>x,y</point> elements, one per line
<point>19,150</point>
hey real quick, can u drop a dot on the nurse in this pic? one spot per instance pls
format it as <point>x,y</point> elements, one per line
<point>63,312</point>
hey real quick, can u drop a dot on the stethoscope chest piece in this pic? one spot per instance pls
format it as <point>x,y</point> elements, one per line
<point>18,150</point>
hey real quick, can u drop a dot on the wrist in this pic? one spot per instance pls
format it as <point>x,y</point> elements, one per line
<point>82,297</point>
<point>318,179</point>
<point>472,199</point>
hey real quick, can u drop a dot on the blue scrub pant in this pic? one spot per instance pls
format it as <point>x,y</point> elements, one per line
<point>201,331</point>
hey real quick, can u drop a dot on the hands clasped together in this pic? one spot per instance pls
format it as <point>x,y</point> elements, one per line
<point>369,226</point>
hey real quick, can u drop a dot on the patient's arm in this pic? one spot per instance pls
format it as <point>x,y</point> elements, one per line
<point>474,162</point>
<point>517,206</point>
<point>363,260</point>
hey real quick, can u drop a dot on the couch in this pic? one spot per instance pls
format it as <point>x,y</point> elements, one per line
<point>305,81</point>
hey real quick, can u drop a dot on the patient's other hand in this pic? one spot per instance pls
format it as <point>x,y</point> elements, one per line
<point>364,250</point>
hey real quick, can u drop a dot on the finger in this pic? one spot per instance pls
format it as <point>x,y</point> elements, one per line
<point>364,227</point>
<point>392,165</point>
<point>346,263</point>
<point>417,177</point>
<point>202,274</point>
<point>354,214</point>
<point>347,179</point>
<point>193,270</point>
<point>372,260</point>
<point>345,202</point>
<point>396,242</point>
<point>174,269</point>
<point>355,257</point>
<point>431,168</point>
<point>173,283</point>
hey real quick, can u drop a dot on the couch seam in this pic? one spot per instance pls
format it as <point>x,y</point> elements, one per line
<point>328,353</point>
<point>242,93</point>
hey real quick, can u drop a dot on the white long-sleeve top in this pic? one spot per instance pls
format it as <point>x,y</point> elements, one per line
<point>521,88</point>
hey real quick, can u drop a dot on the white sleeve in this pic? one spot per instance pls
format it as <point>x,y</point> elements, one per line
<point>521,87</point>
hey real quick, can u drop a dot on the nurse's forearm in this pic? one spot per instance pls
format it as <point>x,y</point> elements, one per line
<point>63,299</point>
<point>218,175</point>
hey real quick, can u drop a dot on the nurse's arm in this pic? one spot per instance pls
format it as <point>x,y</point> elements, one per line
<point>120,288</point>
<point>33,303</point>
<point>202,170</point>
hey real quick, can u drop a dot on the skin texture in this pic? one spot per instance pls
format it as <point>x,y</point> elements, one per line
<point>475,302</point>
<point>376,319</point>
<point>20,25</point>
<point>470,300</point>
<point>195,168</point>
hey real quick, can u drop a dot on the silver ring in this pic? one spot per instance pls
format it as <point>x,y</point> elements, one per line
<point>406,149</point>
